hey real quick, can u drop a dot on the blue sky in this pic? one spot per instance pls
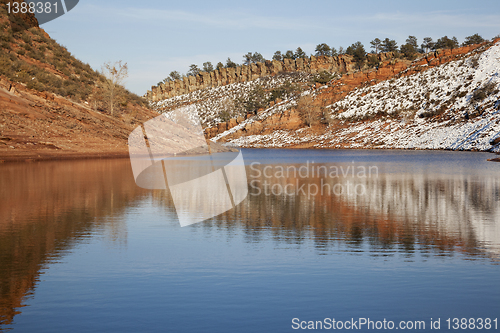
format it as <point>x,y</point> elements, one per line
<point>156,37</point>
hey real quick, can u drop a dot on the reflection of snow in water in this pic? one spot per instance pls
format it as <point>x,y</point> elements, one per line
<point>462,206</point>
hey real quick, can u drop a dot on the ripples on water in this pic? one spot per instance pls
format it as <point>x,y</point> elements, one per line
<point>86,249</point>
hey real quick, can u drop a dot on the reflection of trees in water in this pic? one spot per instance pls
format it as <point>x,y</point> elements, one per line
<point>47,208</point>
<point>399,213</point>
<point>463,208</point>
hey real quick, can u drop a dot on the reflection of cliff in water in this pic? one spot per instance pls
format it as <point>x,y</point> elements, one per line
<point>463,208</point>
<point>397,212</point>
<point>47,208</point>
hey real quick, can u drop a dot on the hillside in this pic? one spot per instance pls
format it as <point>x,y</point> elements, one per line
<point>447,99</point>
<point>53,105</point>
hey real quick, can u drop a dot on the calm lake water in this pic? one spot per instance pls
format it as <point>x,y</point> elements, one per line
<point>344,234</point>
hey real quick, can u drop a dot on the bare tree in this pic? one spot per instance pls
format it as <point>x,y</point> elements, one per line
<point>309,112</point>
<point>228,109</point>
<point>114,74</point>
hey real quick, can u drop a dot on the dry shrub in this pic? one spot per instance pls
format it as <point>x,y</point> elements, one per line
<point>310,113</point>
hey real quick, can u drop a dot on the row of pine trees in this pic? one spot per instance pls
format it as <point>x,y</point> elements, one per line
<point>408,50</point>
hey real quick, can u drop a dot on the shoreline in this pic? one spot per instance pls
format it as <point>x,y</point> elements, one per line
<point>38,157</point>
<point>497,159</point>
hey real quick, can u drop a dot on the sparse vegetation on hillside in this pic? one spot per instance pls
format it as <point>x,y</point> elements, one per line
<point>30,57</point>
<point>481,93</point>
<point>230,109</point>
<point>410,50</point>
<point>257,99</point>
<point>372,61</point>
<point>456,87</point>
<point>324,77</point>
<point>285,91</point>
<point>308,111</point>
<point>238,99</point>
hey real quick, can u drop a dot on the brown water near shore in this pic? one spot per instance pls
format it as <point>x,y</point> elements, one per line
<point>48,207</point>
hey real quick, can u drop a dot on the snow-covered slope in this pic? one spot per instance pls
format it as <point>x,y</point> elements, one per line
<point>211,102</point>
<point>451,86</point>
<point>452,106</point>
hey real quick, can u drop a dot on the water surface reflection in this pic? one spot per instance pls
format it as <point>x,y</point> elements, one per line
<point>47,208</point>
<point>413,204</point>
<point>370,205</point>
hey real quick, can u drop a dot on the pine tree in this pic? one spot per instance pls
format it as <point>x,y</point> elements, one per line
<point>208,67</point>
<point>323,50</point>
<point>289,55</point>
<point>278,56</point>
<point>174,75</point>
<point>428,44</point>
<point>247,58</point>
<point>474,39</point>
<point>193,70</point>
<point>299,53</point>
<point>412,41</point>
<point>230,63</point>
<point>376,44</point>
<point>446,43</point>
<point>389,45</point>
<point>257,57</point>
<point>357,50</point>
